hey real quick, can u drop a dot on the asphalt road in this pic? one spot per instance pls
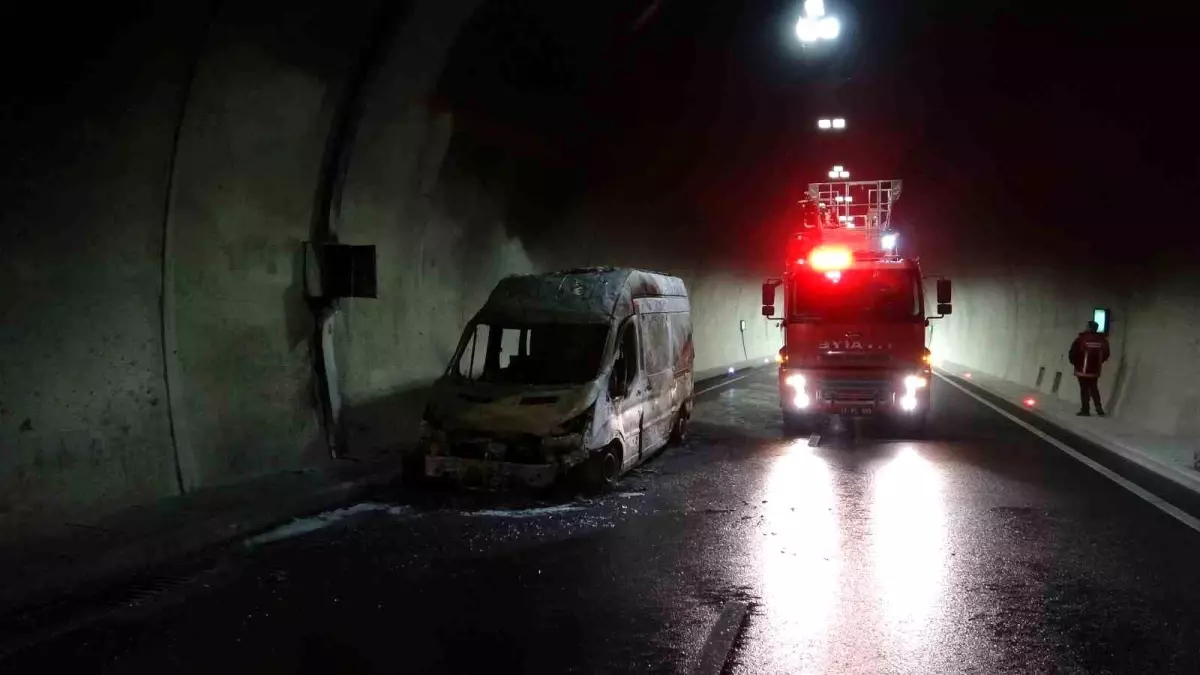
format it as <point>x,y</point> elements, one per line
<point>980,549</point>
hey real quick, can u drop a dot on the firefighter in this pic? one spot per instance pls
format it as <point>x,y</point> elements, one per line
<point>1088,353</point>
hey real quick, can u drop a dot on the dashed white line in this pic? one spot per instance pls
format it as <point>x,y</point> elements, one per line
<point>1136,489</point>
<point>720,640</point>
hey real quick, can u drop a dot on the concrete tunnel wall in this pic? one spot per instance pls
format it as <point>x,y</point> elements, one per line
<point>1010,322</point>
<point>160,340</point>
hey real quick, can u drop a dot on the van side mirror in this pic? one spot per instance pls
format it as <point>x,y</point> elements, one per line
<point>943,293</point>
<point>944,308</point>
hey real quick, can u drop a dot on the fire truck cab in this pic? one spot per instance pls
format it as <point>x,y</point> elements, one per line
<point>854,317</point>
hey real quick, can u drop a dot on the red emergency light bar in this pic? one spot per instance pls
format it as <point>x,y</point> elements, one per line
<point>830,258</point>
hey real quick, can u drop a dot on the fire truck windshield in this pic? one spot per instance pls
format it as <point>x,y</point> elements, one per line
<point>856,294</point>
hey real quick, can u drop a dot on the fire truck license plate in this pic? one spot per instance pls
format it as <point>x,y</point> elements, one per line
<point>857,410</point>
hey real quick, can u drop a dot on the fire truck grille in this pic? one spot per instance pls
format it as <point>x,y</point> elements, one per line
<point>855,390</point>
<point>855,359</point>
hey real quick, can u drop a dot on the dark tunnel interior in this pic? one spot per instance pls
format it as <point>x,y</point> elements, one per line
<point>244,246</point>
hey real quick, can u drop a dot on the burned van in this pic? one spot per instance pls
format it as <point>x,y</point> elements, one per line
<point>580,374</point>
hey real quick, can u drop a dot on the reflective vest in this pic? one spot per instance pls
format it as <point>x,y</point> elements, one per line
<point>1088,354</point>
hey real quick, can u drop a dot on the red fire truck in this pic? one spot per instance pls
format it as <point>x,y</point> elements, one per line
<point>853,315</point>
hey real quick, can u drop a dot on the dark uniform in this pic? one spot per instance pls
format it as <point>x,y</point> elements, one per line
<point>1088,353</point>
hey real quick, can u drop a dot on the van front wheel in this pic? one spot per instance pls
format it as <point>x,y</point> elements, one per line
<point>601,471</point>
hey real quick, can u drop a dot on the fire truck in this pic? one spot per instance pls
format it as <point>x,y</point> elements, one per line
<point>854,319</point>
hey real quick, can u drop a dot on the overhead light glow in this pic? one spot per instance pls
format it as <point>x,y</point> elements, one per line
<point>843,174</point>
<point>839,123</point>
<point>838,168</point>
<point>839,199</point>
<point>833,174</point>
<point>814,8</point>
<point>824,124</point>
<point>807,30</point>
<point>828,28</point>
<point>849,199</point>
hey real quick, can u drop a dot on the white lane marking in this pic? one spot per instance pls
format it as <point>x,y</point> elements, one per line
<point>525,513</point>
<point>814,440</point>
<point>720,640</point>
<point>719,384</point>
<point>1149,497</point>
<point>299,526</point>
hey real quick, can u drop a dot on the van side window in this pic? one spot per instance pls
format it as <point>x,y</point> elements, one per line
<point>471,364</point>
<point>625,365</point>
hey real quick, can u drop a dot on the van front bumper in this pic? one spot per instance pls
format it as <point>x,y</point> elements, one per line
<point>491,473</point>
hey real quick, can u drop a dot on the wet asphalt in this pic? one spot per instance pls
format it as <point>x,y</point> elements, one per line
<point>978,549</point>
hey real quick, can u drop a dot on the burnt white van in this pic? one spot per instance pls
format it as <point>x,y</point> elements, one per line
<point>583,373</point>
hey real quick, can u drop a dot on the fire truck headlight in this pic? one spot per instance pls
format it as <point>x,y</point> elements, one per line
<point>797,382</point>
<point>914,382</point>
<point>908,403</point>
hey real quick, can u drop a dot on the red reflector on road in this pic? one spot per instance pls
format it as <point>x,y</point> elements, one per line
<point>1029,402</point>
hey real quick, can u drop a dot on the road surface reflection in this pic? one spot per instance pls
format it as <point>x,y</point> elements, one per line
<point>908,544</point>
<point>800,558</point>
<point>852,563</point>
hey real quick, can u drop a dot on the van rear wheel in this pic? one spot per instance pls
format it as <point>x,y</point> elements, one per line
<point>679,428</point>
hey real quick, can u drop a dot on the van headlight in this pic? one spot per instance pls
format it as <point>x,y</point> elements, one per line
<point>577,424</point>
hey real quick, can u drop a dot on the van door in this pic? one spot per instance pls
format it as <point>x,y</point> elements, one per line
<point>627,387</point>
<point>654,331</point>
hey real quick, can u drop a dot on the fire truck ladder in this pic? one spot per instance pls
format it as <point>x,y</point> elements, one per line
<point>861,204</point>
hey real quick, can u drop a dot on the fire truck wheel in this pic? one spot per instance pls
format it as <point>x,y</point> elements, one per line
<point>795,425</point>
<point>912,427</point>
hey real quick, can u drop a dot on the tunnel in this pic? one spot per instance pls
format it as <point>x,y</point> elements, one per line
<point>170,173</point>
<point>208,147</point>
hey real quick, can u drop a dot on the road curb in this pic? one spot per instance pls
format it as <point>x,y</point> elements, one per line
<point>108,567</point>
<point>1162,484</point>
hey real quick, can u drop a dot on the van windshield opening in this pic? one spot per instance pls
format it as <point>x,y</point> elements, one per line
<point>865,294</point>
<point>539,354</point>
